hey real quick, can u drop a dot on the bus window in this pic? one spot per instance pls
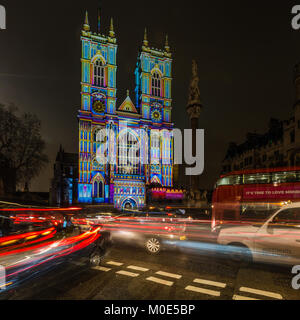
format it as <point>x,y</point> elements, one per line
<point>283,177</point>
<point>230,180</point>
<point>257,178</point>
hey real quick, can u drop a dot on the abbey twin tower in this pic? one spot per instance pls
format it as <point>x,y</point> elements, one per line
<point>139,139</point>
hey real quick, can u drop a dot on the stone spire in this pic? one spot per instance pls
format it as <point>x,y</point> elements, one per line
<point>86,26</point>
<point>111,28</point>
<point>145,41</point>
<point>194,105</point>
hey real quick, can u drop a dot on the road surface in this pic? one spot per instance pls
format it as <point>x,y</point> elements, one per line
<point>130,273</point>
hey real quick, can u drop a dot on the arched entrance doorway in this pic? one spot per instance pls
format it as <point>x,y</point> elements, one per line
<point>98,187</point>
<point>129,204</point>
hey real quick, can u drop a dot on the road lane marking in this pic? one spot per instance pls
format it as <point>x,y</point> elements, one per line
<point>115,263</point>
<point>237,297</point>
<point>138,268</point>
<point>262,292</point>
<point>101,268</point>
<point>126,273</point>
<point>161,281</point>
<point>202,290</point>
<point>167,274</point>
<point>210,283</point>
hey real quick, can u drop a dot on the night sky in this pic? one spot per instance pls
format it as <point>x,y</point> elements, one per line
<point>245,50</point>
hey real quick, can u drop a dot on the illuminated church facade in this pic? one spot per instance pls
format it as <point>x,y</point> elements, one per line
<point>145,123</point>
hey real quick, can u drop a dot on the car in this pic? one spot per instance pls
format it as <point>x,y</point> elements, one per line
<point>197,223</point>
<point>152,228</point>
<point>274,240</point>
<point>33,241</point>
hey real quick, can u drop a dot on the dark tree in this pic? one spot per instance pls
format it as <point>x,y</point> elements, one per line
<point>21,148</point>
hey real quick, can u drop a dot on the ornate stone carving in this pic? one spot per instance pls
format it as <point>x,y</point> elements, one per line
<point>194,96</point>
<point>194,102</point>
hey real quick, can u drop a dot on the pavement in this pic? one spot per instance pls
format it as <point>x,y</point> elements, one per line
<point>128,272</point>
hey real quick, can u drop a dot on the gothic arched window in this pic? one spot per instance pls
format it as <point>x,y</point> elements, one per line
<point>99,74</point>
<point>155,147</point>
<point>98,189</point>
<point>100,144</point>
<point>128,153</point>
<point>156,84</point>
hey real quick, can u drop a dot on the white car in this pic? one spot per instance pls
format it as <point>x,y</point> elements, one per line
<point>276,240</point>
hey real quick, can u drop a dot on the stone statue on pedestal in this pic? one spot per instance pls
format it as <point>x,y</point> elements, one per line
<point>194,94</point>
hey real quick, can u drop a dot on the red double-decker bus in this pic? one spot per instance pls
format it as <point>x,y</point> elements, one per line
<point>253,194</point>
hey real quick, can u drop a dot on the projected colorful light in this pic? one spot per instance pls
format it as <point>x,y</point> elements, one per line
<point>168,194</point>
<point>147,124</point>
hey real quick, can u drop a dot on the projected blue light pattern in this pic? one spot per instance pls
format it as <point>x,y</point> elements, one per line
<point>146,124</point>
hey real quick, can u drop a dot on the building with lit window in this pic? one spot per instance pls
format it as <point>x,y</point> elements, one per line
<point>136,139</point>
<point>278,147</point>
